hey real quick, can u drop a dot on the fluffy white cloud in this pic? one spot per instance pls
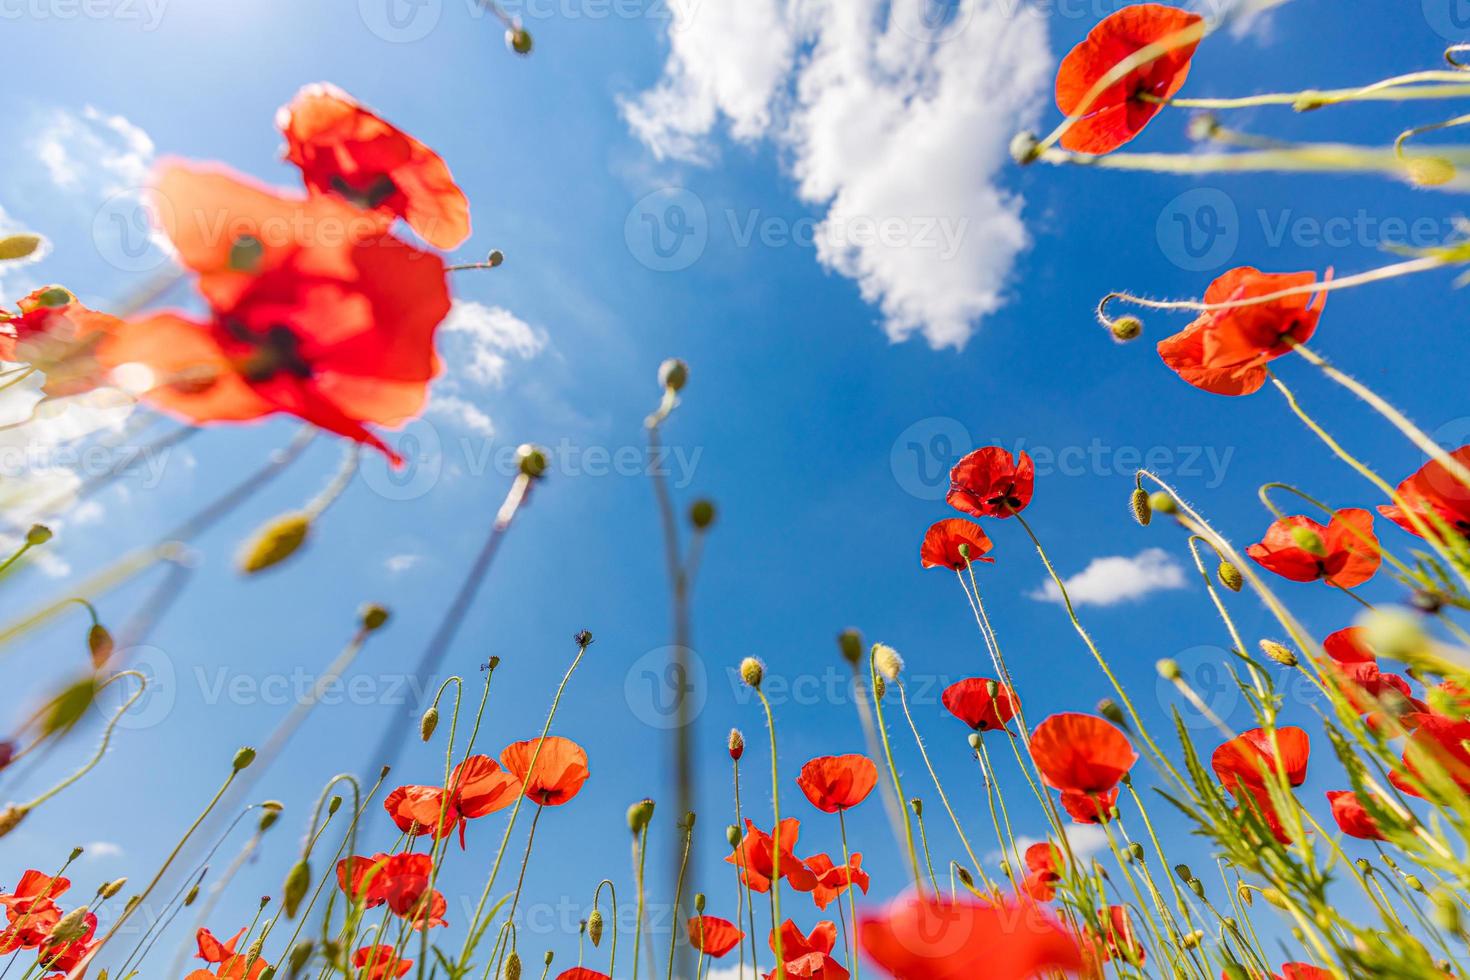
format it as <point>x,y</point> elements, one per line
<point>93,152</point>
<point>462,412</point>
<point>102,849</point>
<point>398,564</point>
<point>1086,841</point>
<point>489,336</point>
<point>898,127</point>
<point>1108,581</point>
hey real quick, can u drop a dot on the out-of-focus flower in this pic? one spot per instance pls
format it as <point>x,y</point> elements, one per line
<point>1433,494</point>
<point>1352,817</point>
<point>1042,861</point>
<point>956,939</point>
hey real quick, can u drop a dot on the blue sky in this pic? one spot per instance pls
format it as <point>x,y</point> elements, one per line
<point>829,385</point>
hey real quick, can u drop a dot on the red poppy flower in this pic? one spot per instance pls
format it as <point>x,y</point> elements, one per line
<point>972,702</point>
<point>1091,807</point>
<point>31,911</point>
<point>211,950</point>
<point>1352,817</point>
<point>956,939</point>
<point>990,483</point>
<point>581,973</point>
<point>477,787</point>
<point>834,879</point>
<point>1081,753</point>
<point>1042,861</point>
<point>808,956</point>
<point>942,542</point>
<point>1119,113</point>
<point>1348,554</point>
<point>230,963</point>
<point>1349,646</point>
<point>1226,351</point>
<point>380,963</point>
<point>1443,741</point>
<point>58,336</point>
<point>561,768</point>
<point>1119,938</point>
<point>1251,758</point>
<point>1436,497</point>
<point>755,858</point>
<point>713,936</point>
<point>838,782</point>
<point>347,151</point>
<point>306,316</point>
<point>400,880</point>
<point>1305,971</point>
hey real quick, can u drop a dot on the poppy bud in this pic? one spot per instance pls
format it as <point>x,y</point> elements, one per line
<point>38,535</point>
<point>1230,576</point>
<point>20,246</point>
<point>673,374</point>
<point>1005,868</point>
<point>880,688</point>
<point>99,644</point>
<point>547,958</point>
<point>300,954</point>
<point>1414,883</point>
<point>1126,328</point>
<point>373,617</point>
<point>1109,709</point>
<point>531,461</point>
<point>111,888</point>
<point>699,901</point>
<point>918,806</point>
<point>1169,669</point>
<point>594,927</point>
<point>887,660</point>
<point>189,897</point>
<point>334,804</point>
<point>269,816</point>
<point>639,814</point>
<point>583,639</point>
<point>1274,897</point>
<point>732,835</point>
<point>1192,939</point>
<point>1025,148</point>
<point>1135,851</point>
<point>975,741</point>
<point>7,754</point>
<point>702,514</point>
<point>518,39</point>
<point>1364,866</point>
<point>1430,171</point>
<point>1309,541</point>
<point>1162,503</point>
<point>72,925</point>
<point>1138,501</point>
<point>965,877</point>
<point>1447,911</point>
<point>243,758</point>
<point>687,823</point>
<point>1279,653</point>
<point>850,642</point>
<point>68,707</point>
<point>428,723</point>
<point>298,880</point>
<point>752,671</point>
<point>1098,871</point>
<point>736,743</point>
<point>275,542</point>
<point>1234,971</point>
<point>512,966</point>
<point>495,258</point>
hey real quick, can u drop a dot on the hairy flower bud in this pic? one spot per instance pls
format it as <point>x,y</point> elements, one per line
<point>428,723</point>
<point>274,542</point>
<point>736,744</point>
<point>594,927</point>
<point>1169,669</point>
<point>111,888</point>
<point>512,966</point>
<point>1109,709</point>
<point>752,671</point>
<point>639,814</point>
<point>1162,503</point>
<point>1135,851</point>
<point>1230,576</point>
<point>880,688</point>
<point>699,902</point>
<point>1126,328</point>
<point>1279,653</point>
<point>673,374</point>
<point>967,879</point>
<point>887,661</point>
<point>1138,501</point>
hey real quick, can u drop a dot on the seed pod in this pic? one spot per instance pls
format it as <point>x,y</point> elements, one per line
<point>964,875</point>
<point>297,960</point>
<point>752,671</point>
<point>702,514</point>
<point>428,723</point>
<point>918,806</point>
<point>975,741</point>
<point>373,617</point>
<point>639,814</point>
<point>532,461</point>
<point>495,258</point>
<point>1230,576</point>
<point>275,542</point>
<point>243,758</point>
<point>547,959</point>
<point>1138,501</point>
<point>1309,541</point>
<point>673,374</point>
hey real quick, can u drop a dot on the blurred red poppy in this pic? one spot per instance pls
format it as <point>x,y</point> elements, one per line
<point>345,150</point>
<point>1349,646</point>
<point>1091,807</point>
<point>989,482</point>
<point>1119,938</point>
<point>1442,741</point>
<point>754,856</point>
<point>942,542</point>
<point>983,704</point>
<point>1436,497</point>
<point>1251,758</point>
<point>1226,351</point>
<point>935,938</point>
<point>838,782</point>
<point>1352,817</point>
<point>1080,753</point>
<point>561,768</point>
<point>808,956</point>
<point>713,936</point>
<point>477,787</point>
<point>56,335</point>
<point>1042,861</point>
<point>834,879</point>
<point>581,973</point>
<point>1124,108</point>
<point>1344,553</point>
<point>1305,971</point>
<point>63,958</point>
<point>333,328</point>
<point>379,962</point>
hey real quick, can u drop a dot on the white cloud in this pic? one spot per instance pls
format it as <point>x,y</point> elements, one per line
<point>462,412</point>
<point>491,336</point>
<point>94,153</point>
<point>901,132</point>
<point>398,564</point>
<point>1086,840</point>
<point>102,849</point>
<point>1115,579</point>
